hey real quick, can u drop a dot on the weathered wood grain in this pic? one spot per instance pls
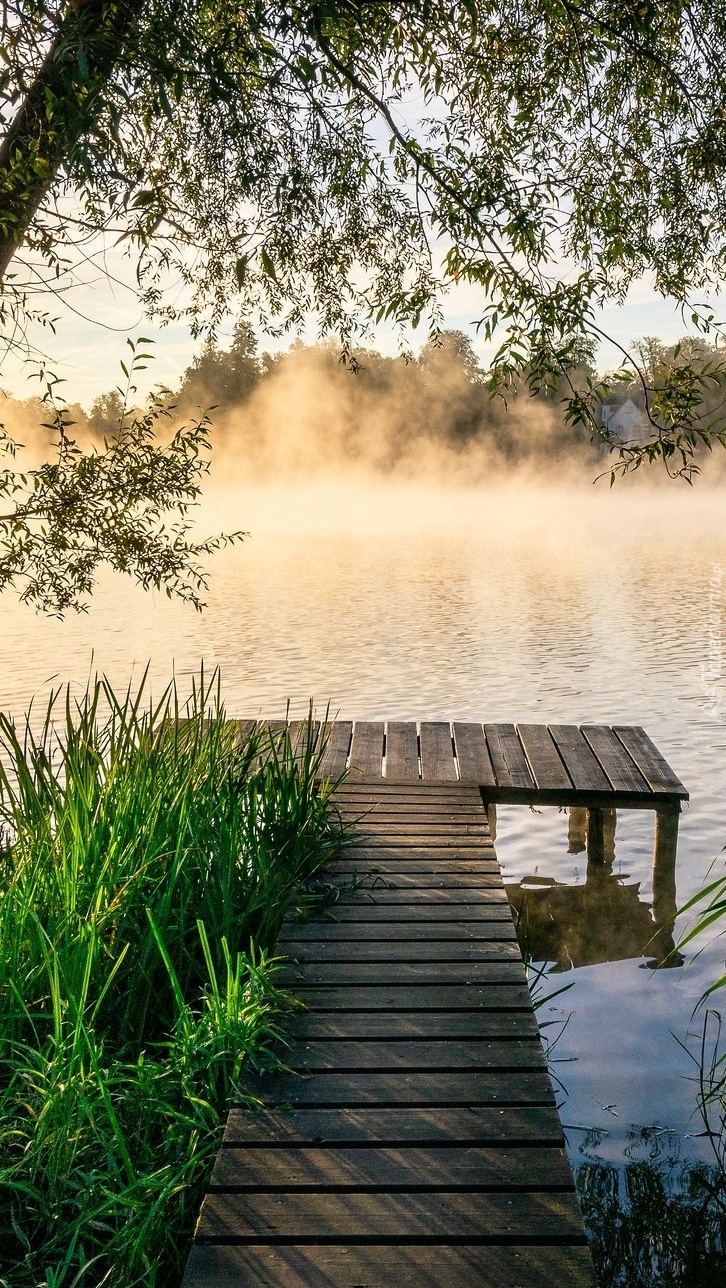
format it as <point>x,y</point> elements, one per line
<point>622,772</point>
<point>447,950</point>
<point>366,879</point>
<point>437,752</point>
<point>335,736</point>
<point>378,1265</point>
<point>418,896</point>
<point>444,1053</point>
<point>422,1087</point>
<point>402,751</point>
<point>361,1167</point>
<point>494,923</point>
<point>316,974</point>
<point>419,997</point>
<point>661,779</point>
<point>472,754</point>
<point>508,759</point>
<point>365,1124</point>
<point>582,765</point>
<point>370,862</point>
<point>544,758</point>
<point>402,1026</point>
<point>497,909</point>
<point>510,1218</point>
<point>366,749</point>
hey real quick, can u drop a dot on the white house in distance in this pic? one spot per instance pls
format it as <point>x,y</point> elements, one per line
<point>623,416</point>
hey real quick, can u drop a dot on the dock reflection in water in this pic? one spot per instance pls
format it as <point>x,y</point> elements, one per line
<point>603,920</point>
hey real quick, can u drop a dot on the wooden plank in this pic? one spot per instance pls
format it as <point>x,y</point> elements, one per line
<point>465,846</point>
<point>544,759</point>
<point>499,910</point>
<point>437,752</point>
<point>443,839</point>
<point>417,950</point>
<point>271,730</point>
<point>314,974</point>
<point>584,769</point>
<point>508,759</point>
<point>358,1168</point>
<point>366,885</point>
<point>401,814</point>
<point>436,832</point>
<point>403,802</point>
<point>505,1218</point>
<point>302,735</point>
<point>378,1265</point>
<point>419,997</point>
<point>402,751</point>
<point>661,779</point>
<point>419,896</point>
<point>374,881</point>
<point>472,754</point>
<point>623,774</point>
<point>401,863</point>
<point>498,926</point>
<point>474,1126</point>
<point>366,749</point>
<point>446,1053</point>
<point>471,850</point>
<point>401,847</point>
<point>399,799</point>
<point>244,729</point>
<point>375,790</point>
<point>404,1025</point>
<point>483,1087</point>
<point>413,829</point>
<point>337,735</point>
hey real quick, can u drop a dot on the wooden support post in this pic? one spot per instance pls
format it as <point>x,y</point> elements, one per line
<point>662,948</point>
<point>609,822</point>
<point>492,820</point>
<point>600,835</point>
<point>577,829</point>
<point>595,840</point>
<point>664,865</point>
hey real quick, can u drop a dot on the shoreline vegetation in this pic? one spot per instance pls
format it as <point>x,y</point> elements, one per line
<point>148,858</point>
<point>148,855</point>
<point>296,413</point>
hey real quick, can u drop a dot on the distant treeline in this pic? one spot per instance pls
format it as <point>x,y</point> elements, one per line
<point>304,407</point>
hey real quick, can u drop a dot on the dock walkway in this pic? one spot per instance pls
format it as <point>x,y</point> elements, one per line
<point>417,1141</point>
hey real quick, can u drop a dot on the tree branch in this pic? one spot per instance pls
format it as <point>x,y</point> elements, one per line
<point>59,108</point>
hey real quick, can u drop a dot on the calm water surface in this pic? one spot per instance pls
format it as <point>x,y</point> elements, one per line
<point>508,604</point>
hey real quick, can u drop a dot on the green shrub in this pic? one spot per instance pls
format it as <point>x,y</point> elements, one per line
<point>148,857</point>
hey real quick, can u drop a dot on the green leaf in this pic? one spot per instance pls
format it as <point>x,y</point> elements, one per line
<point>267,264</point>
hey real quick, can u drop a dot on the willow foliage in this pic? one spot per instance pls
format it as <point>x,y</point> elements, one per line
<point>350,158</point>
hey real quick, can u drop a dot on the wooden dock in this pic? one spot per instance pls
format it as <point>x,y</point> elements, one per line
<point>417,1141</point>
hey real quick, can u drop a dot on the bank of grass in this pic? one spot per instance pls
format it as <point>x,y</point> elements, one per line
<point>146,864</point>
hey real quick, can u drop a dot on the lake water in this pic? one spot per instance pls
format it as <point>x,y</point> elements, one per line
<point>509,603</point>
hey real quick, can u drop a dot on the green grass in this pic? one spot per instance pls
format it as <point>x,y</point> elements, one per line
<point>146,863</point>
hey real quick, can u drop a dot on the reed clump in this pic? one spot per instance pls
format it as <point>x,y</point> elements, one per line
<point>147,858</point>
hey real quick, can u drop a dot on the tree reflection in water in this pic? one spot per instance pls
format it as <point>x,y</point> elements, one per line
<point>653,1221</point>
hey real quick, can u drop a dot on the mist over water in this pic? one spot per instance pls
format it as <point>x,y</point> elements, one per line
<point>509,598</point>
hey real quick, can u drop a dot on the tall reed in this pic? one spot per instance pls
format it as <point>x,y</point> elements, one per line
<point>147,858</point>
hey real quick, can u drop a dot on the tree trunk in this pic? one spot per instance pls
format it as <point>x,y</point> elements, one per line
<point>59,109</point>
